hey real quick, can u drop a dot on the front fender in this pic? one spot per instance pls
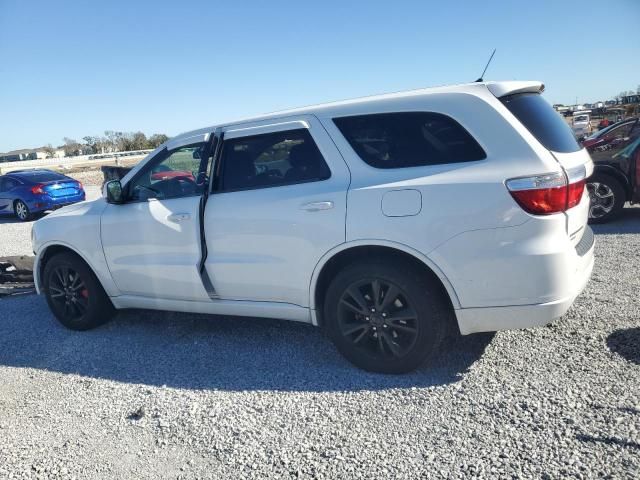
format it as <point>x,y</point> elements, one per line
<point>76,229</point>
<point>616,173</point>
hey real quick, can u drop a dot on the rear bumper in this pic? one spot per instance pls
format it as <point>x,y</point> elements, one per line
<point>49,203</point>
<point>490,319</point>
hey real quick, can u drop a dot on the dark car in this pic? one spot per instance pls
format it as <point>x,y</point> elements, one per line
<point>616,179</point>
<point>26,192</point>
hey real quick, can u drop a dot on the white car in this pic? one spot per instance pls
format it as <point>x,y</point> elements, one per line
<point>387,220</point>
<point>581,125</point>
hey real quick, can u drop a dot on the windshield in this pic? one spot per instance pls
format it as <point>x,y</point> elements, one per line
<point>600,132</point>
<point>542,121</point>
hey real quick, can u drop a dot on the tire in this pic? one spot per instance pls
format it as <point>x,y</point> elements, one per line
<point>402,333</point>
<point>21,211</point>
<point>74,294</point>
<point>606,196</point>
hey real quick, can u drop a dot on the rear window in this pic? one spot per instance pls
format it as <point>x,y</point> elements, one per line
<point>43,177</point>
<point>409,139</point>
<point>542,121</point>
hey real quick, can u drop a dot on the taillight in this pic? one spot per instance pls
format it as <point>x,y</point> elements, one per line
<point>37,189</point>
<point>547,194</point>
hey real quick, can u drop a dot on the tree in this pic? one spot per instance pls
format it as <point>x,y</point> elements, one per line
<point>92,143</point>
<point>139,141</point>
<point>71,147</point>
<point>49,150</point>
<point>156,140</point>
<point>113,139</point>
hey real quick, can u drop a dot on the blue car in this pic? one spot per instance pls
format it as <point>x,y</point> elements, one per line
<point>26,192</point>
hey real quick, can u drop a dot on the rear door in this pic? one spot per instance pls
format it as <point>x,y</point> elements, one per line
<point>278,205</point>
<point>551,130</point>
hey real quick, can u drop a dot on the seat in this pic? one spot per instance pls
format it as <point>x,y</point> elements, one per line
<point>239,171</point>
<point>306,164</point>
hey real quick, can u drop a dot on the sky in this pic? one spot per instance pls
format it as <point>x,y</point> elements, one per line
<point>75,68</point>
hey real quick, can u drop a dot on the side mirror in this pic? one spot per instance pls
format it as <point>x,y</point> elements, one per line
<point>113,190</point>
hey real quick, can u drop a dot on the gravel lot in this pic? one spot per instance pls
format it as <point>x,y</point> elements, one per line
<point>159,395</point>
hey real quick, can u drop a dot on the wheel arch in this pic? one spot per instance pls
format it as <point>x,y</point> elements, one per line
<point>610,170</point>
<point>350,252</point>
<point>49,251</point>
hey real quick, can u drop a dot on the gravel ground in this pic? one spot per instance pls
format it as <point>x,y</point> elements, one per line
<point>159,395</point>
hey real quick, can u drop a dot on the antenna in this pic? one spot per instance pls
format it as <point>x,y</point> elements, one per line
<point>487,66</point>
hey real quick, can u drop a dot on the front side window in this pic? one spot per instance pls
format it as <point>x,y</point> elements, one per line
<point>178,173</point>
<point>409,139</point>
<point>270,160</point>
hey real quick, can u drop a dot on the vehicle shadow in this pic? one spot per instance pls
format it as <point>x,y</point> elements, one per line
<point>204,352</point>
<point>627,222</point>
<point>626,343</point>
<point>11,219</point>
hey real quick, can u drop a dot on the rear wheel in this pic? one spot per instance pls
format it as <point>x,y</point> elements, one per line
<point>21,210</point>
<point>74,294</point>
<point>385,317</point>
<point>606,196</point>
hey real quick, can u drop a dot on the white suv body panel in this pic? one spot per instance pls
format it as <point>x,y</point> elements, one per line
<point>501,267</point>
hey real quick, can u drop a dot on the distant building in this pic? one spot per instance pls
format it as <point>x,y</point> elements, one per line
<point>29,154</point>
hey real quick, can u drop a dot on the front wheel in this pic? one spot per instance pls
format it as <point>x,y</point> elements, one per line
<point>385,317</point>
<point>606,198</point>
<point>74,293</point>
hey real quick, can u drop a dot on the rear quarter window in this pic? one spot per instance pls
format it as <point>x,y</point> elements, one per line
<point>409,139</point>
<point>542,121</point>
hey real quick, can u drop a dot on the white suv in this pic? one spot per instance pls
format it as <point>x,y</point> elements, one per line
<point>386,220</point>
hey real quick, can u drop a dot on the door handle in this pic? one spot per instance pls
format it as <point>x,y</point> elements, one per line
<point>317,206</point>
<point>178,217</point>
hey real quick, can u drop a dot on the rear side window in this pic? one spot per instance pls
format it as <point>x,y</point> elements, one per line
<point>270,160</point>
<point>409,139</point>
<point>542,121</point>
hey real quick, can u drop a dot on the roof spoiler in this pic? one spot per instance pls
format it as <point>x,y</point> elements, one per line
<point>502,89</point>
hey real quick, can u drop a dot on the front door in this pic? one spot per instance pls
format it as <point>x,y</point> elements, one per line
<point>278,205</point>
<point>152,242</point>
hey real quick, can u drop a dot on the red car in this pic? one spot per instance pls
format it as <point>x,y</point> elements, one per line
<point>162,172</point>
<point>615,151</point>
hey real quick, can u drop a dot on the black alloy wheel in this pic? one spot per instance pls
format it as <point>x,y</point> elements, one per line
<point>74,293</point>
<point>386,316</point>
<point>68,292</point>
<point>376,317</point>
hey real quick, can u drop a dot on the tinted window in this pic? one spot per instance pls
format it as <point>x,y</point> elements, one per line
<point>619,141</point>
<point>542,121</point>
<point>270,160</point>
<point>11,183</point>
<point>396,140</point>
<point>43,177</point>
